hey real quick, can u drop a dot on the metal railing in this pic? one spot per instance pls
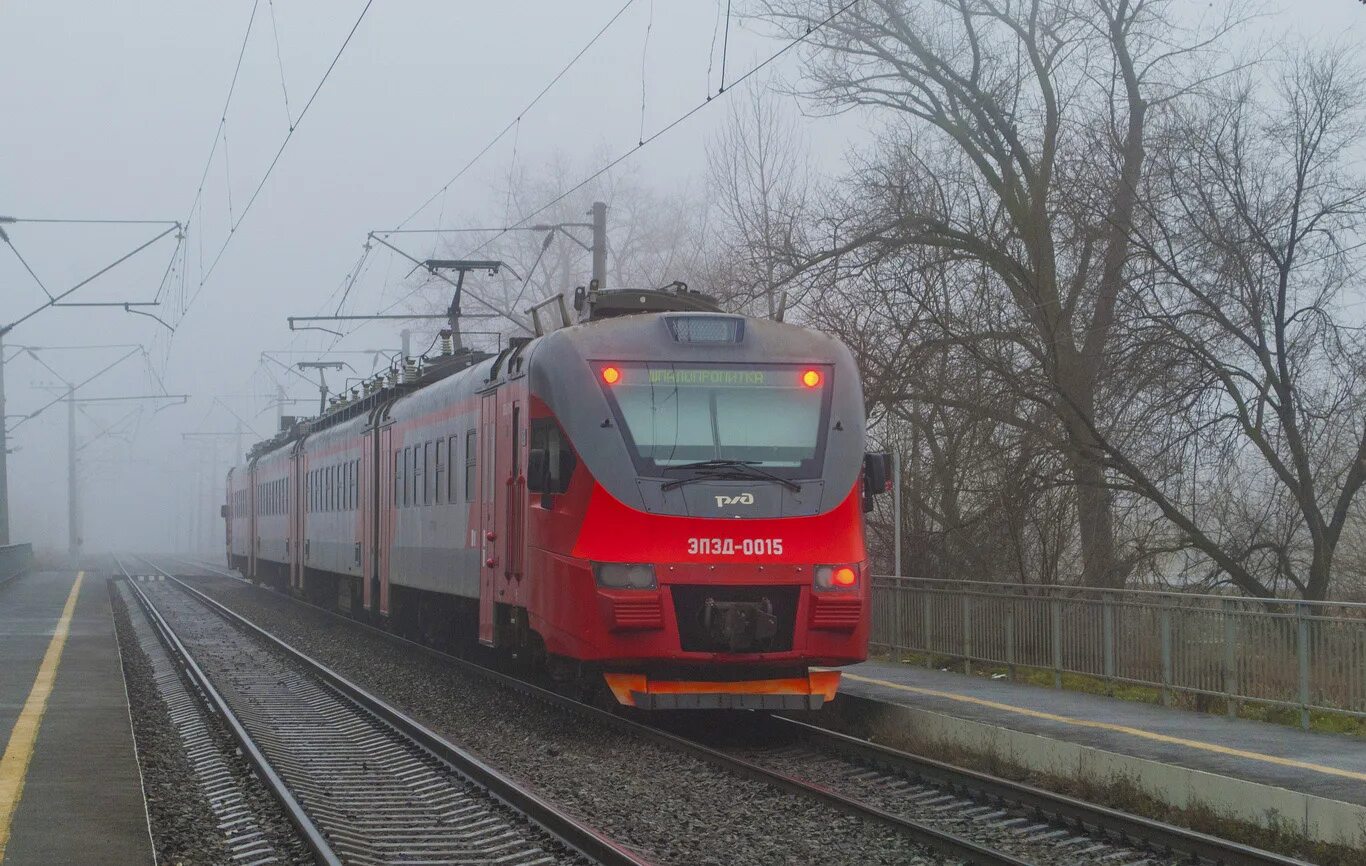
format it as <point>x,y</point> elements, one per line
<point>14,560</point>
<point>1297,654</point>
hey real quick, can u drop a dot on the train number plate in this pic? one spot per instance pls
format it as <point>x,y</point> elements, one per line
<point>734,546</point>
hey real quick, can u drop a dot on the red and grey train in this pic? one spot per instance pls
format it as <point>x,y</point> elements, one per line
<point>663,499</point>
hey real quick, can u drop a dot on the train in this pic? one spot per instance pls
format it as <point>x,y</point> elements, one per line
<point>653,500</point>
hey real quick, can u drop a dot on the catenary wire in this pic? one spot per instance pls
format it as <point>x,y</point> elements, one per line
<point>232,232</point>
<point>504,131</point>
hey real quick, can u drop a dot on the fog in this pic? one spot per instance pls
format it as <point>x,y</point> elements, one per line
<point>109,112</point>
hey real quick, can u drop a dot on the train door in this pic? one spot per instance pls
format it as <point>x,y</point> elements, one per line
<point>489,529</point>
<point>296,524</point>
<point>253,532</point>
<point>230,514</point>
<point>515,508</point>
<point>367,513</point>
<point>384,520</point>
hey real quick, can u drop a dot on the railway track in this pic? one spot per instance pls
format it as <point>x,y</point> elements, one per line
<point>960,813</point>
<point>1021,817</point>
<point>360,781</point>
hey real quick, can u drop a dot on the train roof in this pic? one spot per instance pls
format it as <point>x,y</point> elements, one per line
<point>614,317</point>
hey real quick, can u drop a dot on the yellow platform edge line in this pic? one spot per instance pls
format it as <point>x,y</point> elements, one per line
<point>1121,729</point>
<point>19,751</point>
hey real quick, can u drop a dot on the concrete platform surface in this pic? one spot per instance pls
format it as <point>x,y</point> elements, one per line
<point>1324,765</point>
<point>69,760</point>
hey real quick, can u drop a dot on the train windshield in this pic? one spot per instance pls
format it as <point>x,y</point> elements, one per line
<point>767,415</point>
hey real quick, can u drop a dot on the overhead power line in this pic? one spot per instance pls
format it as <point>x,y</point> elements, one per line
<point>657,134</point>
<point>513,123</point>
<point>222,116</point>
<point>677,121</point>
<point>289,136</point>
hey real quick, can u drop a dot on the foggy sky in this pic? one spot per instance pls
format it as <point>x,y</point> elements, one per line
<point>107,110</point>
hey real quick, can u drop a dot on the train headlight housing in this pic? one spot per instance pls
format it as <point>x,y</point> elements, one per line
<point>624,575</point>
<point>835,578</point>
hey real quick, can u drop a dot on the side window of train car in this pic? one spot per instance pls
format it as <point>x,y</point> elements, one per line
<point>398,477</point>
<point>557,459</point>
<point>424,454</point>
<point>440,476</point>
<point>418,475</point>
<point>452,491</point>
<point>471,441</point>
<point>407,476</point>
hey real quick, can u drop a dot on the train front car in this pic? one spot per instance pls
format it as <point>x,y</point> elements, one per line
<point>710,550</point>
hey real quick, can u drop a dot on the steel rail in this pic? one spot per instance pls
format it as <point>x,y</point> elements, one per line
<point>312,835</point>
<point>1059,807</point>
<point>1111,823</point>
<point>934,838</point>
<point>570,832</point>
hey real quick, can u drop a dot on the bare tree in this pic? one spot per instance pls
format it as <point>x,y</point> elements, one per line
<point>758,175</point>
<point>1016,141</point>
<point>1254,241</point>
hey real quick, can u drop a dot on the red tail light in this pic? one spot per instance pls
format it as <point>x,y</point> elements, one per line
<point>611,375</point>
<point>811,378</point>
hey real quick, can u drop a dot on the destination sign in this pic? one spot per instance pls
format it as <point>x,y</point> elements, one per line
<point>676,376</point>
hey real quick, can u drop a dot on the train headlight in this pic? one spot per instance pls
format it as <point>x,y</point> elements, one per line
<point>835,577</point>
<point>625,575</point>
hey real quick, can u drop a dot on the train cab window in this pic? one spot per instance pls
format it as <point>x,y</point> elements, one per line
<point>471,458</point>
<point>556,460</point>
<point>768,415</point>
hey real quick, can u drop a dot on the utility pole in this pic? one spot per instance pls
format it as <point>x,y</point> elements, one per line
<point>72,513</point>
<point>407,340</point>
<point>73,510</point>
<point>4,448</point>
<point>53,301</point>
<point>599,212</point>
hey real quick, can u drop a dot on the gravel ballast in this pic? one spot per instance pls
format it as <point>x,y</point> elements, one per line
<point>671,806</point>
<point>185,829</point>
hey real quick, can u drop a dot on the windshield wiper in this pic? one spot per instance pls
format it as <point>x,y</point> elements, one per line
<point>727,470</point>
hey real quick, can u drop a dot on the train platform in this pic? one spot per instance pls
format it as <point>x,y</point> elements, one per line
<point>1254,770</point>
<point>70,786</point>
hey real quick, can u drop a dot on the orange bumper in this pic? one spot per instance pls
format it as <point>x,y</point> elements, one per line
<point>795,693</point>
